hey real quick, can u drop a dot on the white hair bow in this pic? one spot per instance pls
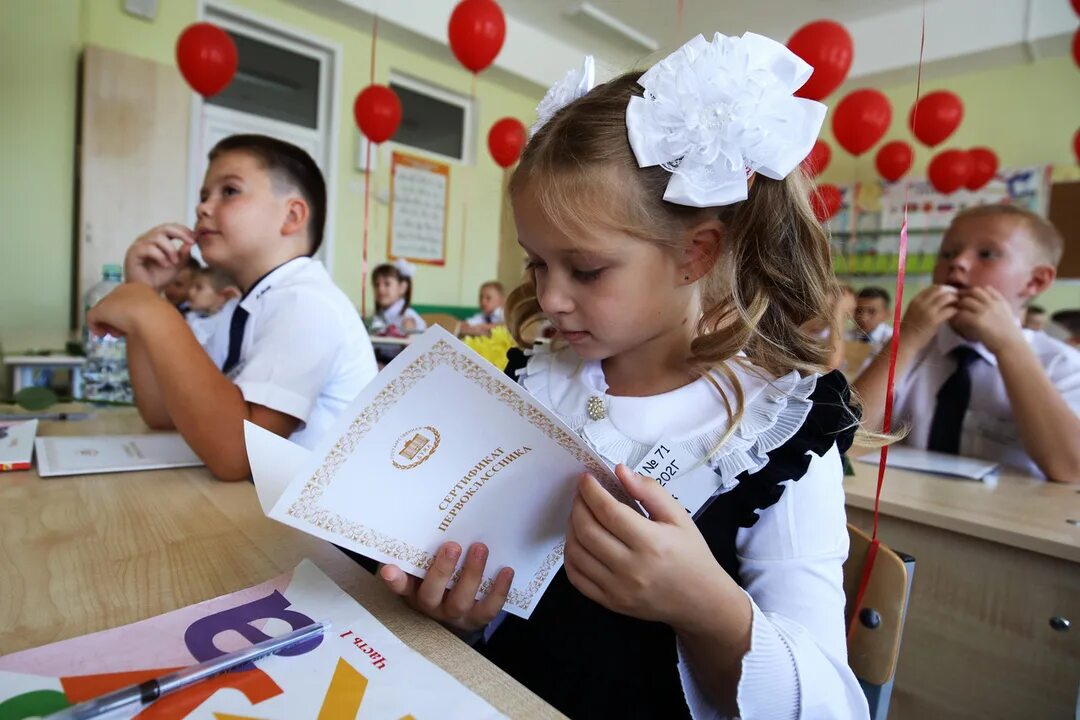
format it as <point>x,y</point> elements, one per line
<point>575,84</point>
<point>404,267</point>
<point>715,112</point>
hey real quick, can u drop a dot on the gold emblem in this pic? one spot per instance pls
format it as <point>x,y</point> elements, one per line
<point>595,408</point>
<point>414,447</point>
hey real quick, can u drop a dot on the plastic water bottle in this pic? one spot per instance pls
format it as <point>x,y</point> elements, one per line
<point>105,375</point>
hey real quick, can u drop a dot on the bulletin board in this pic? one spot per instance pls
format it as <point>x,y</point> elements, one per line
<point>419,206</point>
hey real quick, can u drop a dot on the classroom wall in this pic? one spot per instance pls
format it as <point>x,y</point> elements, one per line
<point>49,35</point>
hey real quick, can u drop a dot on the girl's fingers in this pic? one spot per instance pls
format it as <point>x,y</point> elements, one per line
<point>399,582</point>
<point>430,595</point>
<point>491,604</point>
<point>592,536</point>
<point>461,598</point>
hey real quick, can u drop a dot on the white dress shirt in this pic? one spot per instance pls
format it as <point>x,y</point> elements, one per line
<point>212,331</point>
<point>395,316</point>
<point>790,561</point>
<point>481,319</point>
<point>989,431</point>
<point>305,352</point>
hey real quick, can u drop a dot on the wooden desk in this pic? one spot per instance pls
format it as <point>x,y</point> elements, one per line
<point>83,554</point>
<point>993,565</point>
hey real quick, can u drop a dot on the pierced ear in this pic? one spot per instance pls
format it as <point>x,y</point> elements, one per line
<point>296,217</point>
<point>705,244</point>
<point>1042,277</point>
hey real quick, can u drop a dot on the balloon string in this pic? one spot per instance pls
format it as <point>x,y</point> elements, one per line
<point>465,177</point>
<point>894,347</point>
<point>679,12</point>
<point>367,186</point>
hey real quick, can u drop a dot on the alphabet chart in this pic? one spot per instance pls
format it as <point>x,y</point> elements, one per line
<point>419,196</point>
<point>358,669</point>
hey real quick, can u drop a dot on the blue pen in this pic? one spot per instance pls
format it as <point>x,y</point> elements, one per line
<point>149,691</point>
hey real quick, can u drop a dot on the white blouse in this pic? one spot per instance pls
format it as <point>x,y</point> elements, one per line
<point>395,316</point>
<point>790,561</point>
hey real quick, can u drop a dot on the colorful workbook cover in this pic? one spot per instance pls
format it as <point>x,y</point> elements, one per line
<point>358,669</point>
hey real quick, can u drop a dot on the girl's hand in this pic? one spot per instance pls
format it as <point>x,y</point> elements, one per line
<point>455,607</point>
<point>641,566</point>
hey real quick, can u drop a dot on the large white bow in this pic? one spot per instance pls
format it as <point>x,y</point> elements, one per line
<point>713,112</point>
<point>575,84</point>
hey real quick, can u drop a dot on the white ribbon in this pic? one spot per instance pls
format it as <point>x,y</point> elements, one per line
<point>715,112</point>
<point>575,84</point>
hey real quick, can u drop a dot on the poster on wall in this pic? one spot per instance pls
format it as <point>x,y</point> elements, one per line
<point>419,200</point>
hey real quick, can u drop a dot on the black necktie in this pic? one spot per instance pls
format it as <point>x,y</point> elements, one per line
<point>952,404</point>
<point>236,338</point>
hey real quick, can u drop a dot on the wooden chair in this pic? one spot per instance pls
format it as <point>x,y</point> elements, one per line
<point>444,320</point>
<point>874,646</point>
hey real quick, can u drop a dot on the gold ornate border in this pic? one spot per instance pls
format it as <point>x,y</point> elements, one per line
<point>306,507</point>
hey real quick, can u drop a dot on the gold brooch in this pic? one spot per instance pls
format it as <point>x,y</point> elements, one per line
<point>595,407</point>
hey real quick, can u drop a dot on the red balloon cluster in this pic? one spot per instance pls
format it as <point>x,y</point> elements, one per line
<point>377,110</point>
<point>827,47</point>
<point>506,140</point>
<point>477,31</point>
<point>207,58</point>
<point>894,159</point>
<point>935,117</point>
<point>950,170</point>
<point>861,119</point>
<point>826,200</point>
<point>818,159</point>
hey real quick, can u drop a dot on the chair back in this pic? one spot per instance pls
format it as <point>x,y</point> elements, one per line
<point>444,320</point>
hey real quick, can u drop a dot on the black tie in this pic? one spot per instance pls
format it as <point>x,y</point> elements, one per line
<point>236,338</point>
<point>952,404</point>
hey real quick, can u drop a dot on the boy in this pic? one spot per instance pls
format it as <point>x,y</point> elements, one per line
<point>872,317</point>
<point>297,351</point>
<point>211,301</point>
<point>970,380</point>
<point>492,296</point>
<point>1034,318</point>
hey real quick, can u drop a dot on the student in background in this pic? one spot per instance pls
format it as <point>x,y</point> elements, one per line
<point>298,352</point>
<point>394,315</point>
<point>178,290</point>
<point>491,310</point>
<point>213,296</point>
<point>1034,317</point>
<point>872,305</point>
<point>970,379</point>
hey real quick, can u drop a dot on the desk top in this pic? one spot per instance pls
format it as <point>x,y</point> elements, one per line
<point>82,554</point>
<point>1019,511</point>
<point>46,360</point>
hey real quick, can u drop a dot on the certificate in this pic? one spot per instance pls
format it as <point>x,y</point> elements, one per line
<point>112,453</point>
<point>440,446</point>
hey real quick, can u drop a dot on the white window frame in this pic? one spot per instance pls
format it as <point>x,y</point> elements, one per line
<point>328,119</point>
<point>466,103</point>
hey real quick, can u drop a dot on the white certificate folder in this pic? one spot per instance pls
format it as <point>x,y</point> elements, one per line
<point>90,455</point>
<point>440,446</point>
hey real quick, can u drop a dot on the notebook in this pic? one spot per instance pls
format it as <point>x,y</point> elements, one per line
<point>936,463</point>
<point>97,454</point>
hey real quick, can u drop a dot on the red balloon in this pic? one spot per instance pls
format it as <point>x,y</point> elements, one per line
<point>1076,47</point>
<point>378,113</point>
<point>894,159</point>
<point>939,114</point>
<point>818,159</point>
<point>477,32</point>
<point>1076,6</point>
<point>984,164</point>
<point>506,140</point>
<point>949,170</point>
<point>861,119</point>
<point>207,58</point>
<point>1076,145</point>
<point>826,200</point>
<point>827,47</point>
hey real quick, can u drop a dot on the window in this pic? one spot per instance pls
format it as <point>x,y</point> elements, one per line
<point>433,119</point>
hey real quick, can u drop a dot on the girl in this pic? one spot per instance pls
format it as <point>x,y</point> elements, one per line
<point>671,242</point>
<point>394,315</point>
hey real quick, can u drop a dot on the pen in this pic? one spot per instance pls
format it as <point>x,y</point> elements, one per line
<point>149,691</point>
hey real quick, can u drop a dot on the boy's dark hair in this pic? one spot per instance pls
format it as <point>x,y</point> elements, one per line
<point>1036,309</point>
<point>391,270</point>
<point>875,293</point>
<point>287,165</point>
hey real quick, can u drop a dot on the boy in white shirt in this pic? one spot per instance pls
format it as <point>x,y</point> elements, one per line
<point>492,297</point>
<point>211,299</point>
<point>970,380</point>
<point>298,351</point>
<point>872,317</point>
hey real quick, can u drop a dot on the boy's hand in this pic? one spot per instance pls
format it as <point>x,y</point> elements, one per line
<point>928,310</point>
<point>984,315</point>
<point>153,258</point>
<point>635,565</point>
<point>118,312</point>
<point>455,607</point>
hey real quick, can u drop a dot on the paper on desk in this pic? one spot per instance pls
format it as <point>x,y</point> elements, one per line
<point>440,446</point>
<point>357,669</point>
<point>17,444</point>
<point>98,454</point>
<point>910,458</point>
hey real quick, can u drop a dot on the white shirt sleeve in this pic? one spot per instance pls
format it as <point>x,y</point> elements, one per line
<point>791,564</point>
<point>294,350</point>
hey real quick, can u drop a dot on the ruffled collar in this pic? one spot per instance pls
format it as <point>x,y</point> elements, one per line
<point>694,415</point>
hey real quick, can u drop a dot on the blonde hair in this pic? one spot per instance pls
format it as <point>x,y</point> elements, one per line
<point>1044,236</point>
<point>773,281</point>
